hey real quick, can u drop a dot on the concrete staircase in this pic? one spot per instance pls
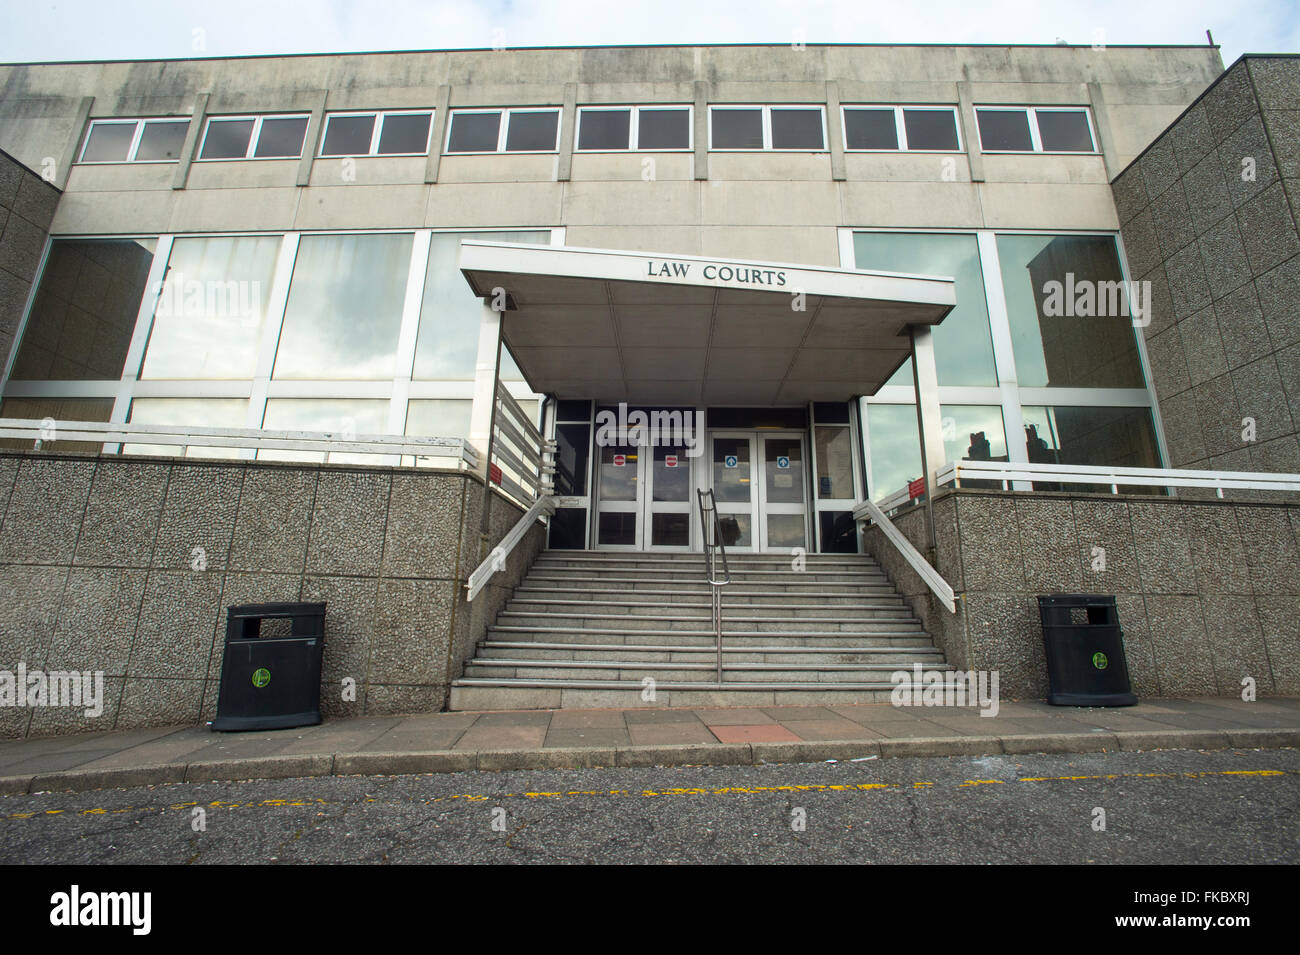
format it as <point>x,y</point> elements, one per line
<point>586,628</point>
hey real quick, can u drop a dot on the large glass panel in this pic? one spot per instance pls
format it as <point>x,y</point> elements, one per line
<point>199,412</point>
<point>447,344</point>
<point>108,142</point>
<point>162,141</point>
<point>348,135</point>
<point>438,417</point>
<point>839,532</point>
<point>672,474</point>
<point>572,458</point>
<point>663,128</point>
<point>474,132</point>
<point>345,307</point>
<point>532,131</point>
<point>405,133</point>
<point>737,530</point>
<point>1120,437</point>
<point>870,129</point>
<point>737,128</point>
<point>970,433</point>
<point>345,417</point>
<point>834,462</point>
<point>930,129</point>
<point>85,309</point>
<point>227,139</point>
<point>797,129</point>
<point>1068,311</point>
<point>785,530</point>
<point>1062,130</point>
<point>1004,129</point>
<point>618,467</point>
<point>59,410</point>
<point>732,477</point>
<point>281,138</point>
<point>604,129</point>
<point>783,470</point>
<point>670,530</point>
<point>617,528</point>
<point>208,321</point>
<point>963,344</point>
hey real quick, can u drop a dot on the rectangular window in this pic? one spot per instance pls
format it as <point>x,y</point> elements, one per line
<point>889,128</point>
<point>1025,129</point>
<point>134,140</point>
<point>376,134</point>
<point>345,307</point>
<point>254,137</point>
<point>607,129</point>
<point>796,128</point>
<point>509,130</point>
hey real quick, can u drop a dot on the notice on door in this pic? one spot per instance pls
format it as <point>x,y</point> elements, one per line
<point>670,460</point>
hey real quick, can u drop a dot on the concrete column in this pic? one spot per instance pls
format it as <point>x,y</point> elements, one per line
<point>701,129</point>
<point>834,131</point>
<point>192,137</point>
<point>568,129</point>
<point>70,151</point>
<point>970,131</point>
<point>925,377</point>
<point>311,140</point>
<point>441,118</point>
<point>485,383</point>
<point>1101,124</point>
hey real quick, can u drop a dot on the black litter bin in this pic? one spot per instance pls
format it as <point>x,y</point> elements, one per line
<point>1085,651</point>
<point>270,673</point>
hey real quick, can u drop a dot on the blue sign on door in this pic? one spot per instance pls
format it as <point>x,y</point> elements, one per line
<point>783,462</point>
<point>729,461</point>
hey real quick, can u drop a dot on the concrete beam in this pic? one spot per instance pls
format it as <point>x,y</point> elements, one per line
<point>835,131</point>
<point>701,130</point>
<point>311,141</point>
<point>64,168</point>
<point>440,117</point>
<point>568,127</point>
<point>192,138</point>
<point>970,131</point>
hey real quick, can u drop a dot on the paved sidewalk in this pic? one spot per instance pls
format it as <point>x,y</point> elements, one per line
<point>554,739</point>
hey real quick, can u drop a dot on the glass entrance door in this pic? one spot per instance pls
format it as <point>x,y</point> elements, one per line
<point>644,498</point>
<point>761,489</point>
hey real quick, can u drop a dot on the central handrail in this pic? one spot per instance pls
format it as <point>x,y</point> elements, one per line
<point>711,529</point>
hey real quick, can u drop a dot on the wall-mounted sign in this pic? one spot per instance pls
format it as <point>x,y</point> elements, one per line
<point>494,473</point>
<point>916,488</point>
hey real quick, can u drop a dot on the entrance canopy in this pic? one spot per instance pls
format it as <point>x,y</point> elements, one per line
<point>673,329</point>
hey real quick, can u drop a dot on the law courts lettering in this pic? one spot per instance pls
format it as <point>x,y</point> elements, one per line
<point>744,274</point>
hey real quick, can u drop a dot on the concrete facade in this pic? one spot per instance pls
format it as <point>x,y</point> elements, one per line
<point>1208,592</point>
<point>27,204</point>
<point>1210,215</point>
<point>127,565</point>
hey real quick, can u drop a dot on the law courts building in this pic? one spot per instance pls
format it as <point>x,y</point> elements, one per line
<point>941,328</point>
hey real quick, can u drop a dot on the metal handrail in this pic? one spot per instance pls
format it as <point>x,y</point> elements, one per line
<point>544,506</point>
<point>867,510</point>
<point>712,533</point>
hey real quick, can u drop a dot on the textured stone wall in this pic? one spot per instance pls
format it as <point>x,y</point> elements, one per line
<point>1210,215</point>
<point>100,569</point>
<point>26,209</point>
<point>1208,592</point>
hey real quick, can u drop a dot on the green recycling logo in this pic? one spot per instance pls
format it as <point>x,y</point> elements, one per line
<point>261,677</point>
<point>1100,661</point>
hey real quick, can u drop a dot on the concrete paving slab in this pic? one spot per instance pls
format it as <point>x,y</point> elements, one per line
<point>500,737</point>
<point>835,728</point>
<point>761,733</point>
<point>587,736</point>
<point>659,734</point>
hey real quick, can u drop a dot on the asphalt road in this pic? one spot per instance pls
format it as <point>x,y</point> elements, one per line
<point>1224,807</point>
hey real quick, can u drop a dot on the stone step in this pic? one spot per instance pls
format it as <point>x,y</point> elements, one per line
<point>790,583</point>
<point>733,621</point>
<point>913,640</point>
<point>891,658</point>
<point>700,595</point>
<point>563,694</point>
<point>627,672</point>
<point>735,609</point>
<point>666,557</point>
<point>696,574</point>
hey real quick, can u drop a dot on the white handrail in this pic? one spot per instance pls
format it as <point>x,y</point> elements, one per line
<point>544,506</point>
<point>867,510</point>
<point>49,432</point>
<point>1007,471</point>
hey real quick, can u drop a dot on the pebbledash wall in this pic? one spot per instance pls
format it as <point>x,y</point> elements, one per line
<point>126,565</point>
<point>1210,215</point>
<point>1208,592</point>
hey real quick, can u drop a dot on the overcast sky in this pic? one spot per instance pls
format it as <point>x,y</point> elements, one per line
<point>155,29</point>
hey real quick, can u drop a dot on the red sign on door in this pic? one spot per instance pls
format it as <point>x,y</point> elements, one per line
<point>670,460</point>
<point>620,460</point>
<point>916,488</point>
